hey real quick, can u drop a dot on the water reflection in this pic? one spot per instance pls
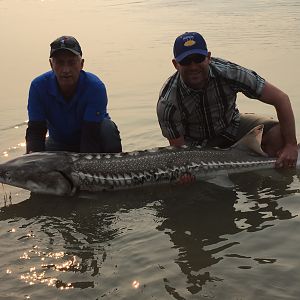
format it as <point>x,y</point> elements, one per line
<point>259,191</point>
<point>72,236</point>
<point>71,242</point>
<point>201,226</point>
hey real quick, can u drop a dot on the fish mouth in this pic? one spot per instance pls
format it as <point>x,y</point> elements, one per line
<point>58,183</point>
<point>68,182</point>
<point>55,183</point>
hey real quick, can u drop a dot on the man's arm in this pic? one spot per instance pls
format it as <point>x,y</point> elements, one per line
<point>95,112</point>
<point>35,136</point>
<point>37,125</point>
<point>170,124</point>
<point>287,156</point>
<point>90,137</point>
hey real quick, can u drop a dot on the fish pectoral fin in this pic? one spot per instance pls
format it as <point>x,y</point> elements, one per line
<point>222,181</point>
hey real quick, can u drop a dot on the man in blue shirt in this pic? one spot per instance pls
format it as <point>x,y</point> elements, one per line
<point>71,105</point>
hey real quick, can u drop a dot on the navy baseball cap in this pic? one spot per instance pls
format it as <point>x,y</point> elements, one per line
<point>65,43</point>
<point>187,44</point>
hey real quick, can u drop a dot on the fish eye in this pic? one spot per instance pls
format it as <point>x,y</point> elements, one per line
<point>7,176</point>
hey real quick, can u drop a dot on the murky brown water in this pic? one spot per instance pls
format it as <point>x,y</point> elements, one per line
<point>190,242</point>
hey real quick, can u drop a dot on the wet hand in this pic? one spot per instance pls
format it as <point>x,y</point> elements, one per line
<point>186,178</point>
<point>287,156</point>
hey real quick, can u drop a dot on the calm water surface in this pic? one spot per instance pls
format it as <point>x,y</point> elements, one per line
<point>174,242</point>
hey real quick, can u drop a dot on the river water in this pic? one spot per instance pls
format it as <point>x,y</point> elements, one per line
<point>173,242</point>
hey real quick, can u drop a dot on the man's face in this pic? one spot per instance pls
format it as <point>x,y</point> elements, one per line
<point>66,66</point>
<point>194,70</point>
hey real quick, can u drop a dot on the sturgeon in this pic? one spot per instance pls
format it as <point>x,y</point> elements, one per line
<point>65,173</point>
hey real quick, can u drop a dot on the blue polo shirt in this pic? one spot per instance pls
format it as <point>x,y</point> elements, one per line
<point>64,118</point>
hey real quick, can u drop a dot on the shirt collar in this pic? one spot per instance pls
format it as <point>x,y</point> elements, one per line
<point>53,86</point>
<point>186,91</point>
<point>210,73</point>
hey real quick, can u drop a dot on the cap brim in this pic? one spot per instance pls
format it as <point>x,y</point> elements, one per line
<point>192,51</point>
<point>60,49</point>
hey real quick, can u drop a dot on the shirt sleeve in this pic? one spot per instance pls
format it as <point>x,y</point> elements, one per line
<point>169,120</point>
<point>96,109</point>
<point>35,108</point>
<point>245,80</point>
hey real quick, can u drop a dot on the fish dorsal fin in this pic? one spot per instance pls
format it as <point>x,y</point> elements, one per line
<point>252,140</point>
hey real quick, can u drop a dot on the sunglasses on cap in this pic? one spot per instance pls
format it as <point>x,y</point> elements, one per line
<point>198,59</point>
<point>65,43</point>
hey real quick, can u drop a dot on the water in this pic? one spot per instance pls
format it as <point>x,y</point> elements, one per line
<point>174,242</point>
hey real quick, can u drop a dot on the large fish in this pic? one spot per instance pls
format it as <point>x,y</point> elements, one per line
<point>65,173</point>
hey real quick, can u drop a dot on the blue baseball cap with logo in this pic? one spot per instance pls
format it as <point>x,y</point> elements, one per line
<point>187,44</point>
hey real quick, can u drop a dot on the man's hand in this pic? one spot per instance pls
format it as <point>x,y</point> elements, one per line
<point>287,156</point>
<point>186,179</point>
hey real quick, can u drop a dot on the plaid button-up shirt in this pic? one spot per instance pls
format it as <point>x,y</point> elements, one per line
<point>199,115</point>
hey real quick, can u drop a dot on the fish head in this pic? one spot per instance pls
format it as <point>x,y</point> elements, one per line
<point>39,172</point>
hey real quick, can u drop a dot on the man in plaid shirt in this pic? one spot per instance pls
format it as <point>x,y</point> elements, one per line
<point>197,104</point>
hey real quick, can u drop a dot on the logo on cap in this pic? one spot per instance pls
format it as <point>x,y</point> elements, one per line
<point>62,42</point>
<point>189,43</point>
